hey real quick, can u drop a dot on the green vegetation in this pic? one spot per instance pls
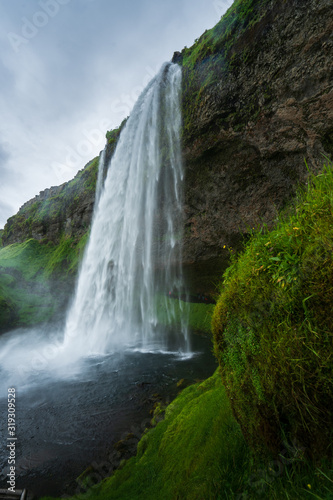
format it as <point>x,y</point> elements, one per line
<point>112,136</point>
<point>273,328</point>
<point>7,310</point>
<point>199,315</point>
<point>22,284</point>
<point>65,258</point>
<point>36,278</point>
<point>240,17</point>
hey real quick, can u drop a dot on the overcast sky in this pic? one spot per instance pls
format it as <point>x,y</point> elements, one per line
<point>72,69</point>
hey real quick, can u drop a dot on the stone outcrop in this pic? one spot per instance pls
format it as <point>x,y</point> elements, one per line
<point>248,134</point>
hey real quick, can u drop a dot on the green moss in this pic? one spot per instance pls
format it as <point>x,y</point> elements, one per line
<point>240,17</point>
<point>273,327</point>
<point>32,279</point>
<point>7,309</point>
<point>52,209</point>
<point>28,258</point>
<point>112,136</point>
<point>66,256</point>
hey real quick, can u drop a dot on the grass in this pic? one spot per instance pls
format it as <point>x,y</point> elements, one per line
<point>39,215</point>
<point>241,16</point>
<point>273,327</point>
<point>22,284</point>
<point>66,256</point>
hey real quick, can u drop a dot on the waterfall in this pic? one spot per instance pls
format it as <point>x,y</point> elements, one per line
<point>100,176</point>
<point>132,262</point>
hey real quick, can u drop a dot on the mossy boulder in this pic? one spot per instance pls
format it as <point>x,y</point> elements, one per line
<point>273,328</point>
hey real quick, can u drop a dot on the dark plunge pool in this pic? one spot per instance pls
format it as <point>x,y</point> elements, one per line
<point>64,426</point>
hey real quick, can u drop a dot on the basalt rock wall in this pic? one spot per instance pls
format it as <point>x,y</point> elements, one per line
<point>258,102</point>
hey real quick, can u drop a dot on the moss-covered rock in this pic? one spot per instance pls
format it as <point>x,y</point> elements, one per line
<point>60,211</point>
<point>273,328</point>
<point>257,100</point>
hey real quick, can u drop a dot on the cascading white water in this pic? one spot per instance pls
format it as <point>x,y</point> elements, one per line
<point>100,176</point>
<point>132,260</point>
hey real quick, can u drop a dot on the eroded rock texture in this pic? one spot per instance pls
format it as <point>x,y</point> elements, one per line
<point>250,131</point>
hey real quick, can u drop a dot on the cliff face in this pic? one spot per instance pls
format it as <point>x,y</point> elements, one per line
<point>258,101</point>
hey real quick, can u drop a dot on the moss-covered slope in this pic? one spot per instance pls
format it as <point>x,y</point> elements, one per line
<point>42,245</point>
<point>273,328</point>
<point>36,279</point>
<point>198,453</point>
<point>59,211</point>
<point>189,455</point>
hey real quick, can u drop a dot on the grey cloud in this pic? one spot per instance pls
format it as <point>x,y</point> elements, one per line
<point>4,157</point>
